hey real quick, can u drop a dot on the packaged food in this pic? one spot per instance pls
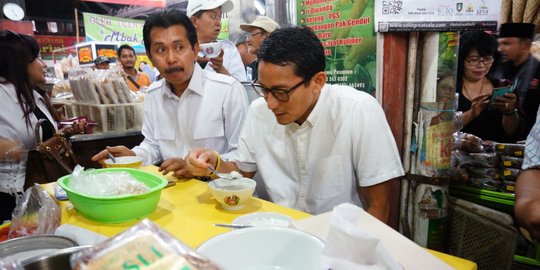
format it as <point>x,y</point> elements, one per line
<point>459,175</point>
<point>510,174</point>
<point>511,162</point>
<point>484,160</point>
<point>489,146</point>
<point>487,183</point>
<point>508,186</point>
<point>467,142</point>
<point>143,246</point>
<point>479,172</point>
<point>510,149</point>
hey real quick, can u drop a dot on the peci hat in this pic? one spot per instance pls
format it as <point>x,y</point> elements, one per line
<point>519,30</point>
<point>194,6</point>
<point>262,22</point>
<point>101,59</point>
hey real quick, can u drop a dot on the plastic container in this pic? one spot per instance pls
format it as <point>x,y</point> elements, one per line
<point>113,118</point>
<point>121,208</point>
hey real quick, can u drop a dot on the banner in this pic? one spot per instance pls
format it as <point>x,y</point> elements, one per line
<point>48,44</point>
<point>436,16</point>
<point>148,3</point>
<point>114,29</point>
<point>345,29</point>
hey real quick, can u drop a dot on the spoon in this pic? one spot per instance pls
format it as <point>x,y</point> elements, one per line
<point>233,226</point>
<point>111,157</point>
<point>220,175</point>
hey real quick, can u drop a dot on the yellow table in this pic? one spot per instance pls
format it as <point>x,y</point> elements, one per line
<point>187,211</point>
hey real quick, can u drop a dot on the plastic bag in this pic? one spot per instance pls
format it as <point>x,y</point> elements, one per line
<point>10,265</point>
<point>36,213</point>
<point>467,142</point>
<point>143,246</point>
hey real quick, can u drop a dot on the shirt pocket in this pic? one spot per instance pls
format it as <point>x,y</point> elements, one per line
<point>209,129</point>
<point>327,179</point>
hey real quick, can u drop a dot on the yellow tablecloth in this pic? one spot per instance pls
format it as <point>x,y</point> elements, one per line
<point>187,211</point>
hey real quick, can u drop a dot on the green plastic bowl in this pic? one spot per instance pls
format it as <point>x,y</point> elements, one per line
<point>119,208</point>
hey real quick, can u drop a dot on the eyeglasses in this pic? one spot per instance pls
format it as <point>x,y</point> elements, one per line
<point>251,35</point>
<point>476,61</point>
<point>280,94</point>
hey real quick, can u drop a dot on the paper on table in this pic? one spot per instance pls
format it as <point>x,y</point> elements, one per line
<point>348,246</point>
<point>82,236</point>
<point>407,253</point>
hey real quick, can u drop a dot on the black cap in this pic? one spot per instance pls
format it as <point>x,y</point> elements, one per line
<point>101,59</point>
<point>519,30</point>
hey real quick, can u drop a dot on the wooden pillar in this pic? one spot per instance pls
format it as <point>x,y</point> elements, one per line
<point>394,81</point>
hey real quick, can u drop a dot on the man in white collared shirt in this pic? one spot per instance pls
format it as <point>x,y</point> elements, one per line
<point>189,107</point>
<point>315,145</point>
<point>206,17</point>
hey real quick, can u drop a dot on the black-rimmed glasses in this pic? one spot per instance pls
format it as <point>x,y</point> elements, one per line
<point>475,61</point>
<point>280,94</point>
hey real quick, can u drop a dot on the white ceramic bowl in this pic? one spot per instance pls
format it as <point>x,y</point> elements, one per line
<point>264,219</point>
<point>124,162</point>
<point>264,248</point>
<point>231,194</point>
<point>211,50</point>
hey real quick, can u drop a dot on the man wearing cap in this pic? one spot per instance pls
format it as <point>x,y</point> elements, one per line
<point>258,31</point>
<point>521,70</point>
<point>206,17</point>
<point>102,62</point>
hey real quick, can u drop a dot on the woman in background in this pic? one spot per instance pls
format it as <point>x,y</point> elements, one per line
<point>496,121</point>
<point>22,103</point>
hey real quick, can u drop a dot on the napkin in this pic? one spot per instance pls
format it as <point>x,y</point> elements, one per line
<point>349,246</point>
<point>82,236</point>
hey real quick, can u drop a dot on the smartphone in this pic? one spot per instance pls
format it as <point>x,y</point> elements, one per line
<point>499,92</point>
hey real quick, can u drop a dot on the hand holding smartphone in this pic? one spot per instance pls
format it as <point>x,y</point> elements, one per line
<point>499,92</point>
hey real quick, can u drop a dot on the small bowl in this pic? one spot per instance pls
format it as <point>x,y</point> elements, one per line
<point>117,208</point>
<point>134,162</point>
<point>232,194</point>
<point>264,248</point>
<point>211,50</point>
<point>264,219</point>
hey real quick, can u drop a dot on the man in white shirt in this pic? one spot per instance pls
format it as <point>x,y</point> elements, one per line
<point>189,107</point>
<point>315,145</point>
<point>206,17</point>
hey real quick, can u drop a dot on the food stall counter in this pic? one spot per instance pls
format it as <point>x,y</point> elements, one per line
<point>188,211</point>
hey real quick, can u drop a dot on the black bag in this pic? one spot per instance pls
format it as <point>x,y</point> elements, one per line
<point>49,160</point>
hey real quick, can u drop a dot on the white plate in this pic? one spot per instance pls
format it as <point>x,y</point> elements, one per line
<point>264,219</point>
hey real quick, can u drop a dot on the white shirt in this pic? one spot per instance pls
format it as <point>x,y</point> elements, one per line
<point>231,61</point>
<point>13,127</point>
<point>208,114</point>
<point>344,143</point>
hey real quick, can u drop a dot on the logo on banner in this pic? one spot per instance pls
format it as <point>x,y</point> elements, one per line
<point>459,7</point>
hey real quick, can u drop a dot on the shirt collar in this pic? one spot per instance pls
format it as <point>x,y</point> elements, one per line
<point>196,83</point>
<point>317,110</point>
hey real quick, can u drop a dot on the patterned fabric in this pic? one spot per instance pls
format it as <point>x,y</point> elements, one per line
<point>532,147</point>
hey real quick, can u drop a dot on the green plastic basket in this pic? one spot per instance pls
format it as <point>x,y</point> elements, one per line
<point>120,208</point>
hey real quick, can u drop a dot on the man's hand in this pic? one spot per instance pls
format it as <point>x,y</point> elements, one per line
<point>177,166</point>
<point>217,64</point>
<point>198,161</point>
<point>506,103</point>
<point>117,151</point>
<point>527,207</point>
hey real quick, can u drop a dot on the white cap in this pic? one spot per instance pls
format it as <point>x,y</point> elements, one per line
<point>194,6</point>
<point>262,22</point>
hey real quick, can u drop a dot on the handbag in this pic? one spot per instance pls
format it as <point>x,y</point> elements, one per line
<point>50,159</point>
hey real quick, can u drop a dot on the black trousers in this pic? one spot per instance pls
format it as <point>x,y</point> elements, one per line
<point>7,204</point>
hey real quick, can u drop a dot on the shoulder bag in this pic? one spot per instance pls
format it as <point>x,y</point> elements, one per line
<point>50,159</point>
